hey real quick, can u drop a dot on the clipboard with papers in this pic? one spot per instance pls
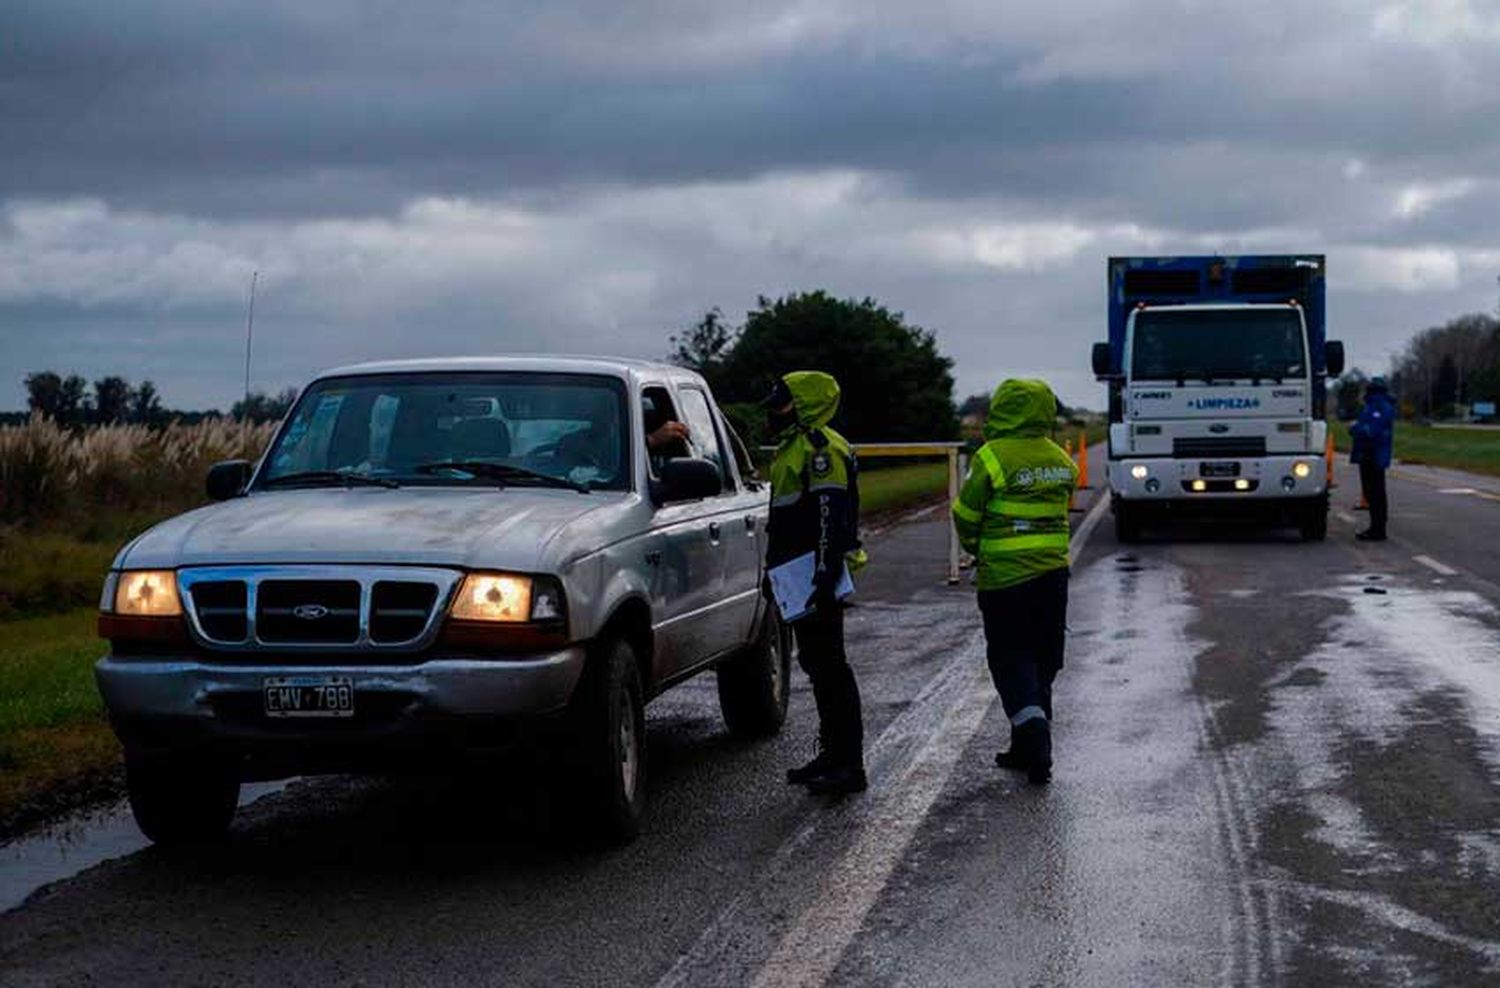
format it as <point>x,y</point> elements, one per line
<point>792,586</point>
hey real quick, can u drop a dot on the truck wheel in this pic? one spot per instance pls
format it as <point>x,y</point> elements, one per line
<point>1127,524</point>
<point>1314,523</point>
<point>181,799</point>
<point>609,745</point>
<point>753,685</point>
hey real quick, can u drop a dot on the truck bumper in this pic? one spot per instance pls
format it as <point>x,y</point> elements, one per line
<point>1266,478</point>
<point>170,702</point>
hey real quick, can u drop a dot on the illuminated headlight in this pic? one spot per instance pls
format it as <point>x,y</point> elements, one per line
<point>508,598</point>
<point>494,597</point>
<point>1302,469</point>
<point>145,593</point>
<point>1200,485</point>
<point>1139,471</point>
<point>1242,484</point>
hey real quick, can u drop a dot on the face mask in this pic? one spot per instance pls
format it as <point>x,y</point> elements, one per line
<point>779,422</point>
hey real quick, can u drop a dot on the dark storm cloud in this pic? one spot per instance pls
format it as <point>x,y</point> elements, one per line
<point>584,175</point>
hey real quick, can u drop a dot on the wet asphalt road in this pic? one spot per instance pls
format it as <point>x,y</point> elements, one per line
<point>1267,773</point>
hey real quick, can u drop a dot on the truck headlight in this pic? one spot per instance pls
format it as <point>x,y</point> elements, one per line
<point>1139,471</point>
<point>147,593</point>
<point>502,597</point>
<point>1302,469</point>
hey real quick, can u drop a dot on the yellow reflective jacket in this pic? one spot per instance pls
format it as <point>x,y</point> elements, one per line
<point>814,483</point>
<point>1012,512</point>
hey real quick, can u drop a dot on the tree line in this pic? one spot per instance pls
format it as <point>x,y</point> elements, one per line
<point>896,385</point>
<point>73,403</point>
<point>1443,371</point>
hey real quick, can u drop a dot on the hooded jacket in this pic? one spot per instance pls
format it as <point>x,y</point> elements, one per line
<point>814,483</point>
<point>1375,431</point>
<point>1012,512</point>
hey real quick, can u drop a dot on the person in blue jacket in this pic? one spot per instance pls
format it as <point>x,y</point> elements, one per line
<point>1373,434</point>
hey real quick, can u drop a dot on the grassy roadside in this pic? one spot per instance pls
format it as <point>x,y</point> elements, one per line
<point>56,749</point>
<point>1475,450</point>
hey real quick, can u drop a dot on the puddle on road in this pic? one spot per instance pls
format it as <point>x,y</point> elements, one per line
<point>73,846</point>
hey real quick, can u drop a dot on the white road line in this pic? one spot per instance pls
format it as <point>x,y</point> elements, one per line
<point>1344,517</point>
<point>1436,566</point>
<point>810,951</point>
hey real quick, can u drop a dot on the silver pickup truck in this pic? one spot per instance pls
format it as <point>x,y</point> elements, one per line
<point>433,559</point>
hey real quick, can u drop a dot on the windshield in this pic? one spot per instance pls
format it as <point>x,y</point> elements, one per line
<point>1198,344</point>
<point>402,427</point>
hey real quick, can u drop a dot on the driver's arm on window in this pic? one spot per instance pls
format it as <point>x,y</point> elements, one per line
<point>669,433</point>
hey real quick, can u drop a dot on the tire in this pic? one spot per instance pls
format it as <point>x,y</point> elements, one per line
<point>609,746</point>
<point>754,685</point>
<point>1314,522</point>
<point>1127,524</point>
<point>181,799</point>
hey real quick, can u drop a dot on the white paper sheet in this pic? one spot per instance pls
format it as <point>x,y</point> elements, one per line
<point>792,586</point>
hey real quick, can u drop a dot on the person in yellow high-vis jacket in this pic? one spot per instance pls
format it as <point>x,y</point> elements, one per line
<point>1012,517</point>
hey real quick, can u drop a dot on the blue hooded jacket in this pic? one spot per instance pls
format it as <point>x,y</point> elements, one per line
<point>1374,431</point>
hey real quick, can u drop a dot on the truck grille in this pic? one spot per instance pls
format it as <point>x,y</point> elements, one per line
<point>1214,447</point>
<point>327,609</point>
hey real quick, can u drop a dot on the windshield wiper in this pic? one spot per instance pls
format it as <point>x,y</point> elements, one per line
<point>504,472</point>
<point>330,477</point>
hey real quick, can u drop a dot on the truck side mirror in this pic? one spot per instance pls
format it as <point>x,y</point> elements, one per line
<point>1333,356</point>
<point>227,479</point>
<point>687,479</point>
<point>1102,361</point>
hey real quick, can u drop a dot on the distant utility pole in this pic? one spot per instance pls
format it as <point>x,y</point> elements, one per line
<point>249,336</point>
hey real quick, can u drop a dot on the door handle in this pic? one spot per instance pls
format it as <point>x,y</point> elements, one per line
<point>653,558</point>
<point>750,524</point>
<point>713,531</point>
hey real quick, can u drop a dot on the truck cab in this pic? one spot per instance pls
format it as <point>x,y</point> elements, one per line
<point>1216,369</point>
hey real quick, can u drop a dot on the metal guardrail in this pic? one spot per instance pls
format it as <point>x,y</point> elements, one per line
<point>953,451</point>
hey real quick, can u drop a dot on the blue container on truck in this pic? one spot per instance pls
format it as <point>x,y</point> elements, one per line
<point>1217,372</point>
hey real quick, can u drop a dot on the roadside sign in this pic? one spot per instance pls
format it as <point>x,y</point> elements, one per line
<point>1483,408</point>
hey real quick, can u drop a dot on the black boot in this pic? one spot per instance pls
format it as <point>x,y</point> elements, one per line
<point>1012,759</point>
<point>1033,745</point>
<point>805,774</point>
<point>841,781</point>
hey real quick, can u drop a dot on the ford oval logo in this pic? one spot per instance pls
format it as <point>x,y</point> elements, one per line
<point>310,612</point>
<point>1219,428</point>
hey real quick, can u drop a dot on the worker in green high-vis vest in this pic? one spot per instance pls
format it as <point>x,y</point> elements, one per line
<point>1012,517</point>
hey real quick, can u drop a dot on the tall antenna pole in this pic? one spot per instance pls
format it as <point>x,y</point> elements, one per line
<point>249,336</point>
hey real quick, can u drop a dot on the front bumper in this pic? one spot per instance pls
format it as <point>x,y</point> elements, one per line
<point>1264,478</point>
<point>168,701</point>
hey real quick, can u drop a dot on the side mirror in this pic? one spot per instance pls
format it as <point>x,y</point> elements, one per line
<point>228,479</point>
<point>1333,356</point>
<point>687,479</point>
<point>1102,368</point>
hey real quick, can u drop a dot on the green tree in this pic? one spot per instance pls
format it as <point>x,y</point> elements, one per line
<point>703,346</point>
<point>111,400</point>
<point>62,399</point>
<point>261,407</point>
<point>896,385</point>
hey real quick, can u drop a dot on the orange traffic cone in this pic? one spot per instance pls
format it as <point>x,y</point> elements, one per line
<point>1083,463</point>
<point>1328,454</point>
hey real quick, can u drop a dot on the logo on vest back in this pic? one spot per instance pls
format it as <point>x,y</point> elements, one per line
<point>1032,476</point>
<point>821,463</point>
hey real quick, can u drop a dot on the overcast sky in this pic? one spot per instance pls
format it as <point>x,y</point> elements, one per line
<point>588,176</point>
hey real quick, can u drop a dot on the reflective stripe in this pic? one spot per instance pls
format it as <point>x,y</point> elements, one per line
<point>828,487</point>
<point>991,465</point>
<point>1029,509</point>
<point>1021,543</point>
<point>785,500</point>
<point>1027,713</point>
<point>965,512</point>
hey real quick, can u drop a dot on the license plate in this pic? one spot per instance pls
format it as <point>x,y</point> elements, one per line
<point>1218,469</point>
<point>309,696</point>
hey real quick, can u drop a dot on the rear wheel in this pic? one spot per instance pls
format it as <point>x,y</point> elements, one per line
<point>1127,523</point>
<point>609,745</point>
<point>181,799</point>
<point>753,686</point>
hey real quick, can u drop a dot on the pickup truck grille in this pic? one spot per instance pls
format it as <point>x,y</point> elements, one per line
<point>1214,447</point>
<point>290,608</point>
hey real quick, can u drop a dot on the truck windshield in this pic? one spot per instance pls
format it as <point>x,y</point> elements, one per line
<point>1201,344</point>
<point>536,428</point>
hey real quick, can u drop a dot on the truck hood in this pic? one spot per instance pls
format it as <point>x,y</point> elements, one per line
<point>480,528</point>
<point>1159,400</point>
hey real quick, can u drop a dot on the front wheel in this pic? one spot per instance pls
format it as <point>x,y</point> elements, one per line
<point>609,745</point>
<point>181,799</point>
<point>1127,523</point>
<point>1314,522</point>
<point>753,686</point>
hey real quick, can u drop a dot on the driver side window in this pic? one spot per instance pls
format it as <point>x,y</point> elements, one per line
<point>657,410</point>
